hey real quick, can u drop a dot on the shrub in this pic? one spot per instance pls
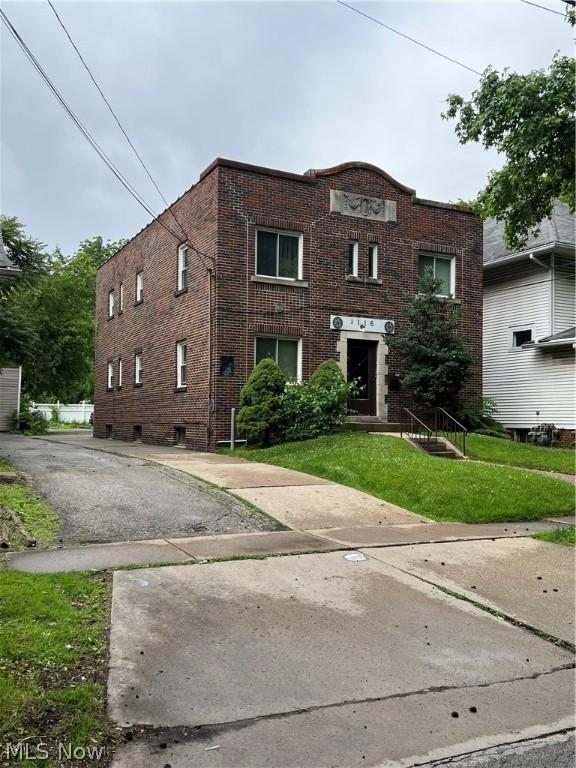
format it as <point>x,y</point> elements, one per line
<point>260,403</point>
<point>477,414</point>
<point>315,408</point>
<point>29,420</point>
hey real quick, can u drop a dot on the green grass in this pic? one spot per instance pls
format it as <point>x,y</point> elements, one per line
<point>53,660</point>
<point>5,466</point>
<point>37,517</point>
<point>392,469</point>
<point>69,425</point>
<point>565,535</point>
<point>520,454</point>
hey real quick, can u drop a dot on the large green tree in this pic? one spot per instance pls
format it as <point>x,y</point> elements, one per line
<point>18,339</point>
<point>61,305</point>
<point>434,360</point>
<point>529,120</point>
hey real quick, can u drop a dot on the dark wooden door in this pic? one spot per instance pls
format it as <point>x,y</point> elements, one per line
<point>362,370</point>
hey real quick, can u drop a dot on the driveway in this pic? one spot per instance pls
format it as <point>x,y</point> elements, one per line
<point>102,497</point>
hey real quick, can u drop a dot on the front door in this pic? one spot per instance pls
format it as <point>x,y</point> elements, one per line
<point>362,370</point>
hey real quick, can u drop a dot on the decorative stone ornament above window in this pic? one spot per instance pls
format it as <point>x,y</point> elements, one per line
<point>361,206</point>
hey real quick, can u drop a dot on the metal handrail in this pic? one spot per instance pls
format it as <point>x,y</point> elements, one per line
<point>417,430</point>
<point>447,425</point>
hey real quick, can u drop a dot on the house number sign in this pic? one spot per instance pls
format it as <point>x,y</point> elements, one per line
<point>370,324</point>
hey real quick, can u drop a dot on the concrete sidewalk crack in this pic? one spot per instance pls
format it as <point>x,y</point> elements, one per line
<point>209,730</point>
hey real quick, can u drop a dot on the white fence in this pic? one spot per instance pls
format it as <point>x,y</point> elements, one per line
<point>66,412</point>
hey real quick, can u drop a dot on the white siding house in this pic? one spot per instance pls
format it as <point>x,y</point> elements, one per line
<point>529,319</point>
<point>10,379</point>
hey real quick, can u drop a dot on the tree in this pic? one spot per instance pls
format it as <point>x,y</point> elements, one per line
<point>260,402</point>
<point>18,339</point>
<point>60,305</point>
<point>529,119</point>
<point>434,359</point>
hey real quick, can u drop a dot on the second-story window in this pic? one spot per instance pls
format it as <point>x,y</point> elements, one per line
<point>278,254</point>
<point>121,297</point>
<point>441,268</point>
<point>119,373</point>
<point>111,303</point>
<point>110,375</point>
<point>181,355</point>
<point>373,261</point>
<point>353,258</point>
<point>139,287</point>
<point>138,368</point>
<point>182,267</point>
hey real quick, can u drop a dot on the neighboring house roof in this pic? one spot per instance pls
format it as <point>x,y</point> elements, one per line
<point>558,230</point>
<point>7,268</point>
<point>559,339</point>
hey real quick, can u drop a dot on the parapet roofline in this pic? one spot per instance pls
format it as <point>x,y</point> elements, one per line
<point>309,177</point>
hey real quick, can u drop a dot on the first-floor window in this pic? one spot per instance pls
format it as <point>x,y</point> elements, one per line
<point>138,368</point>
<point>139,286</point>
<point>278,254</point>
<point>110,375</point>
<point>181,355</point>
<point>373,261</point>
<point>182,267</point>
<point>353,258</point>
<point>119,372</point>
<point>286,352</point>
<point>441,268</point>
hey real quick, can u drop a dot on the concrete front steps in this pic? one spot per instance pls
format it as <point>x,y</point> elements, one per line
<point>436,447</point>
<point>369,424</point>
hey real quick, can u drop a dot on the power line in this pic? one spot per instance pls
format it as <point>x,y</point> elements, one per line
<point>83,130</point>
<point>407,37</point>
<point>544,8</point>
<point>114,115</point>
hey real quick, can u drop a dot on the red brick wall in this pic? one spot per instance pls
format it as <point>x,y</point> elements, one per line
<point>221,214</point>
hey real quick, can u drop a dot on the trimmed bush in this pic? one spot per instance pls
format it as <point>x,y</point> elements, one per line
<point>261,402</point>
<point>315,408</point>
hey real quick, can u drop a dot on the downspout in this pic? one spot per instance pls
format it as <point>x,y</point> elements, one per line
<point>210,273</point>
<point>550,269</point>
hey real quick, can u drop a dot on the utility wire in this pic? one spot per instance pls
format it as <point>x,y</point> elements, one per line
<point>407,37</point>
<point>544,8</point>
<point>83,130</point>
<point>114,115</point>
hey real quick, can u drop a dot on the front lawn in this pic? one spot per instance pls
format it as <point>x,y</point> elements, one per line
<point>392,469</point>
<point>520,454</point>
<point>565,535</point>
<point>53,664</point>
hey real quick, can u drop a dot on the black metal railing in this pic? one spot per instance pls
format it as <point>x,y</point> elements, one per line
<point>447,426</point>
<point>415,429</point>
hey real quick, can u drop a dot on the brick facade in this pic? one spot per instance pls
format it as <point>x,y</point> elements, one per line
<point>226,306</point>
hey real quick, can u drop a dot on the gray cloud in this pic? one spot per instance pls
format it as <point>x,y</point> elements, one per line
<point>287,85</point>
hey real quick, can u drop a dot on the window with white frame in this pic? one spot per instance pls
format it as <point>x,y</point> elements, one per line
<point>286,352</point>
<point>139,287</point>
<point>520,337</point>
<point>182,267</point>
<point>111,303</point>
<point>353,258</point>
<point>279,254</point>
<point>373,261</point>
<point>121,297</point>
<point>181,356</point>
<point>110,375</point>
<point>119,372</point>
<point>441,268</point>
<point>138,368</point>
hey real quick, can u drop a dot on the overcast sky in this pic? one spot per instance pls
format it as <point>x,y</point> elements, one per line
<point>288,85</point>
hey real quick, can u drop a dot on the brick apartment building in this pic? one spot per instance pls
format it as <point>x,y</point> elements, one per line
<point>300,267</point>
